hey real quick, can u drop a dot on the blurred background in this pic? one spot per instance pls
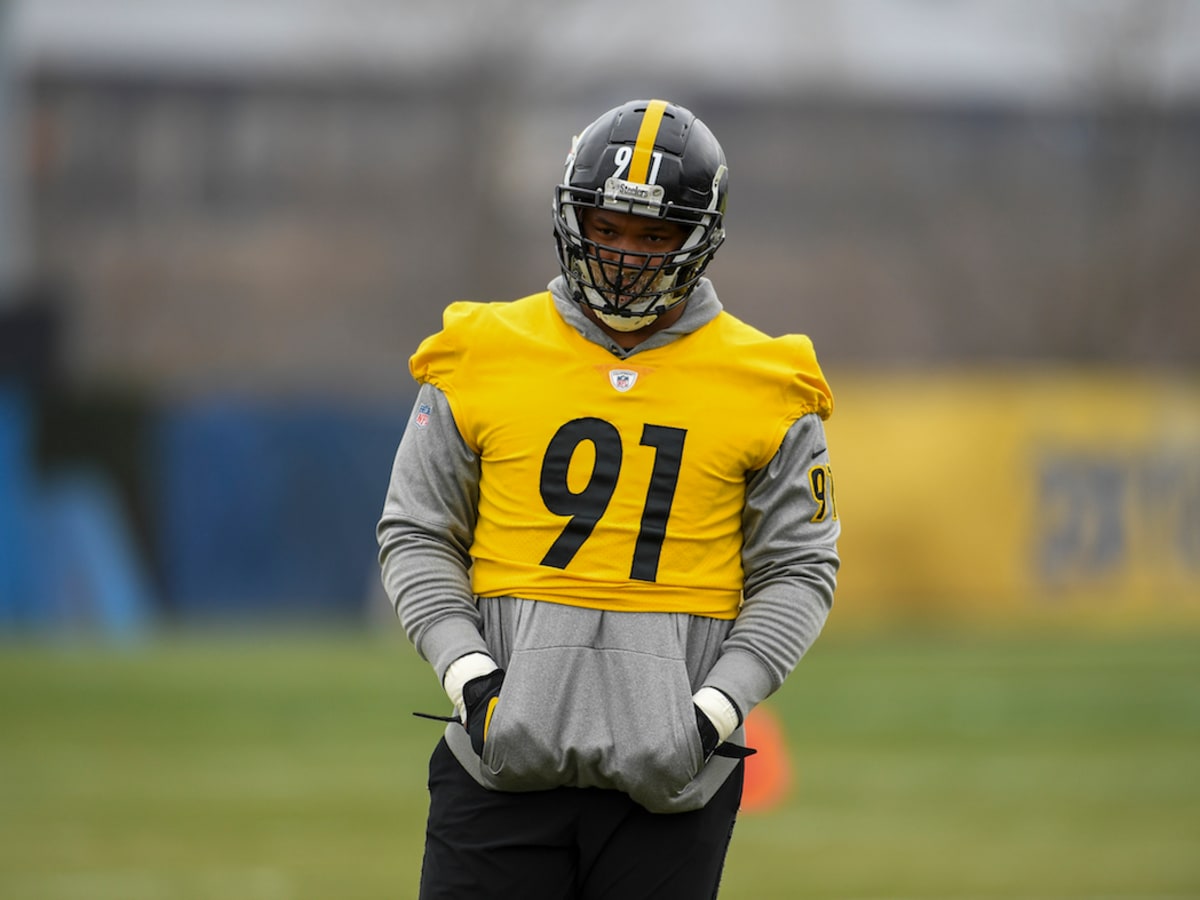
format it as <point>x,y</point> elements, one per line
<point>224,227</point>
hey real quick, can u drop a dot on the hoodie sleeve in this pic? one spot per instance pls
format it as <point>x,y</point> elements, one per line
<point>791,561</point>
<point>425,534</point>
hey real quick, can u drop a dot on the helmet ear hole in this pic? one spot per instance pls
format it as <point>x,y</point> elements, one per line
<point>649,158</point>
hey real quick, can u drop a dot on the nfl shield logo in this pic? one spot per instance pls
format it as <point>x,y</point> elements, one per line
<point>622,379</point>
<point>423,412</point>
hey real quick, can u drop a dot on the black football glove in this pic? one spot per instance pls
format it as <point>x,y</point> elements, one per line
<point>708,733</point>
<point>710,744</point>
<point>479,699</point>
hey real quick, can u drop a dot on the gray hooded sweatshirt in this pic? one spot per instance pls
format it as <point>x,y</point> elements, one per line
<point>596,698</point>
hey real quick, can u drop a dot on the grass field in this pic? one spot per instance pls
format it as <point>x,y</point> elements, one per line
<point>925,766</point>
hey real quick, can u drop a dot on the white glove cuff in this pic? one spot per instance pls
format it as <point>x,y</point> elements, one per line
<point>720,711</point>
<point>460,672</point>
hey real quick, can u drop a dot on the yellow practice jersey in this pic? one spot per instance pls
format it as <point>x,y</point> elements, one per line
<point>607,483</point>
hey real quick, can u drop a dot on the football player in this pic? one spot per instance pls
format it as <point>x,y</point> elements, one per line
<point>611,531</point>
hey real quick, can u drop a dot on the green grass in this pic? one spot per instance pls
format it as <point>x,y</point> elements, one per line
<point>926,766</point>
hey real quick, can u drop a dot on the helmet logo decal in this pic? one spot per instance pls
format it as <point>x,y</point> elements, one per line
<point>622,379</point>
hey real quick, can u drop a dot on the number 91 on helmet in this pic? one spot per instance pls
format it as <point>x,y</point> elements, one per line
<point>647,158</point>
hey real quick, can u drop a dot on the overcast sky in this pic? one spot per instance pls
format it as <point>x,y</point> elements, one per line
<point>1027,50</point>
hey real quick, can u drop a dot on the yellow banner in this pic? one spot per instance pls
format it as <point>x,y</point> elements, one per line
<point>971,494</point>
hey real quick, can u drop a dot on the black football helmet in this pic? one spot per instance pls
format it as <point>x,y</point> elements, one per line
<point>649,158</point>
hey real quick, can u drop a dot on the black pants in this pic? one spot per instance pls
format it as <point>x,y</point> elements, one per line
<point>568,843</point>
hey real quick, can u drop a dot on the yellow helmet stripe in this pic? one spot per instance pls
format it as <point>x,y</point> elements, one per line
<point>639,167</point>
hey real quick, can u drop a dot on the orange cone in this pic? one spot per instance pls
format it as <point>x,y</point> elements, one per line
<point>769,771</point>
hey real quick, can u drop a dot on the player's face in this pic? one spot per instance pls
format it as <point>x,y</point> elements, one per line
<point>631,248</point>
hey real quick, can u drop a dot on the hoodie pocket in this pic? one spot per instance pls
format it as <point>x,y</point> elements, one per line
<point>608,717</point>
